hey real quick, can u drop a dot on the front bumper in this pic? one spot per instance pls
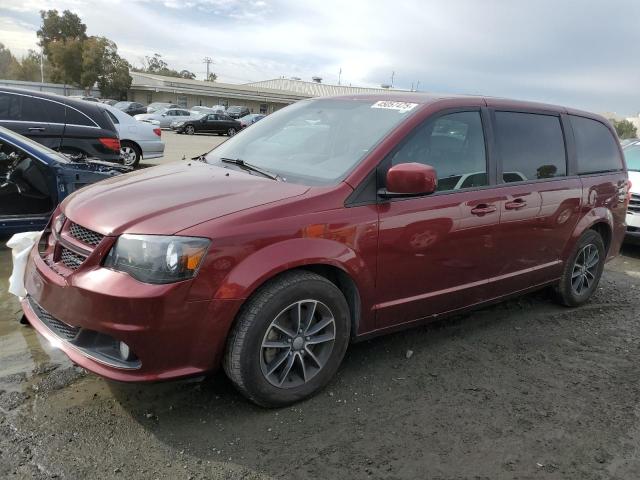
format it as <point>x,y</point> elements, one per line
<point>170,336</point>
<point>632,233</point>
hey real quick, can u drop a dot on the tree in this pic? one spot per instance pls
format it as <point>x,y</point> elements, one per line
<point>624,129</point>
<point>66,61</point>
<point>29,69</point>
<point>187,74</point>
<point>57,28</point>
<point>212,77</point>
<point>158,66</point>
<point>9,66</point>
<point>115,79</point>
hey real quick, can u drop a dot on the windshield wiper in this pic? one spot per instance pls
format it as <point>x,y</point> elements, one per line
<point>253,168</point>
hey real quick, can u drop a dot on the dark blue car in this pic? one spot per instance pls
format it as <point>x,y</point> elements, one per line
<point>34,179</point>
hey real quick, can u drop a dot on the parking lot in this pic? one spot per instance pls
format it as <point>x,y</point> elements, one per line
<point>178,146</point>
<point>524,389</point>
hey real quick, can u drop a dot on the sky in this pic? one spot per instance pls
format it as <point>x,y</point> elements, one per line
<point>578,53</point>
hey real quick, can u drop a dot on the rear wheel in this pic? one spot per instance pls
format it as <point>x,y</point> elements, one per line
<point>130,154</point>
<point>583,270</point>
<point>288,340</point>
<point>231,132</point>
<point>189,130</point>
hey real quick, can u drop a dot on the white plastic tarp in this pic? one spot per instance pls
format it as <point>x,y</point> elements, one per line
<point>20,245</point>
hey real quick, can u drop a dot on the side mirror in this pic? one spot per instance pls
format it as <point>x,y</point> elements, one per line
<point>164,114</point>
<point>410,179</point>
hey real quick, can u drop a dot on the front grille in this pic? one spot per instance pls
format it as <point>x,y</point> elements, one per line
<point>86,236</point>
<point>71,259</point>
<point>633,229</point>
<point>634,204</point>
<point>60,328</point>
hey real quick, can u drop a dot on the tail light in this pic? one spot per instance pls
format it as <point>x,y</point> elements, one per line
<point>111,143</point>
<point>157,131</point>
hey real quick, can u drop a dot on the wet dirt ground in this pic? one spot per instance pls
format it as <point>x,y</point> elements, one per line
<point>526,389</point>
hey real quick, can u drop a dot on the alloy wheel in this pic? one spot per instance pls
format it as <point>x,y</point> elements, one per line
<point>190,130</point>
<point>585,269</point>
<point>128,155</point>
<point>231,132</point>
<point>297,344</point>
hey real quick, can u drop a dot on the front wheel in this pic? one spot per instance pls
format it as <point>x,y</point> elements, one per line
<point>288,340</point>
<point>189,130</point>
<point>583,270</point>
<point>231,132</point>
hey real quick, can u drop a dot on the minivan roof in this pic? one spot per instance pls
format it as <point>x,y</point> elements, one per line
<point>430,98</point>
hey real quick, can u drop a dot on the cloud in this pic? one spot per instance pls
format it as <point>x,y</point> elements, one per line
<point>570,52</point>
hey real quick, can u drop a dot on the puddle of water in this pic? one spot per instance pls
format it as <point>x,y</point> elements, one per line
<point>21,349</point>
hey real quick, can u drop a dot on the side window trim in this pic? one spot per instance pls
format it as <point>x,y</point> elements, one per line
<point>498,159</point>
<point>385,163</point>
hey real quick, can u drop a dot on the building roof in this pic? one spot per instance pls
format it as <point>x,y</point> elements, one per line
<point>148,81</point>
<point>314,89</point>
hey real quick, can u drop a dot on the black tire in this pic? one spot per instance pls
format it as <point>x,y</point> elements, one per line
<point>130,154</point>
<point>243,361</point>
<point>189,130</point>
<point>568,294</point>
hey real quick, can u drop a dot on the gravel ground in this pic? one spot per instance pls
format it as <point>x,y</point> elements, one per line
<point>525,389</point>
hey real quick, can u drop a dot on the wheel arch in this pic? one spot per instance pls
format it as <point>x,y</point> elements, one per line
<point>135,144</point>
<point>599,219</point>
<point>332,260</point>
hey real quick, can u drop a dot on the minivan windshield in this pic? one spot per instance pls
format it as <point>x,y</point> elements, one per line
<point>314,142</point>
<point>632,157</point>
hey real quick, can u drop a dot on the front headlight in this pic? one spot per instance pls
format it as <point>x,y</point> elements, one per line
<point>157,259</point>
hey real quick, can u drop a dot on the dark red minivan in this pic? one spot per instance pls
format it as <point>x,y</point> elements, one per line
<point>330,221</point>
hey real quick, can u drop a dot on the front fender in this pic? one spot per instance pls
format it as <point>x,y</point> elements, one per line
<point>268,262</point>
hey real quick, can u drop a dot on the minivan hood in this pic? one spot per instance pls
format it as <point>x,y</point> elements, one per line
<point>170,198</point>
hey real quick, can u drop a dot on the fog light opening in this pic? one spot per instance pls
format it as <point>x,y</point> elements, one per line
<point>125,352</point>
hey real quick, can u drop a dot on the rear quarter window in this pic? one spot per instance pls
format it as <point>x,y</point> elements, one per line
<point>596,147</point>
<point>75,117</point>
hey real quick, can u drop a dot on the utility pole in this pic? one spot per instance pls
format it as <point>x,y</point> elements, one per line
<point>208,61</point>
<point>393,74</point>
<point>339,75</point>
<point>417,85</point>
<point>41,66</point>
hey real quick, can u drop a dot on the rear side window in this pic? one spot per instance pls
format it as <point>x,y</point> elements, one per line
<point>30,109</point>
<point>75,117</point>
<point>596,148</point>
<point>453,144</point>
<point>531,146</point>
<point>113,118</point>
<point>9,107</point>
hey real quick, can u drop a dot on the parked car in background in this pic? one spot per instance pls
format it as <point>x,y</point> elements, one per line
<point>628,141</point>
<point>109,102</point>
<point>236,111</point>
<point>85,98</point>
<point>138,140</point>
<point>74,127</point>
<point>632,156</point>
<point>164,118</point>
<point>268,257</point>
<point>208,123</point>
<point>34,179</point>
<point>156,106</point>
<point>131,108</point>
<point>250,119</point>
<point>218,108</point>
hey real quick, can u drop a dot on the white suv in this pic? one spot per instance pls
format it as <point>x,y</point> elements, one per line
<point>632,156</point>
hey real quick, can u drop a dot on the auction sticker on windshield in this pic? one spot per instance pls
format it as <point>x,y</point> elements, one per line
<point>402,107</point>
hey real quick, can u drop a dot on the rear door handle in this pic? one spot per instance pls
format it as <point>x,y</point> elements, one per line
<point>516,204</point>
<point>36,129</point>
<point>483,209</point>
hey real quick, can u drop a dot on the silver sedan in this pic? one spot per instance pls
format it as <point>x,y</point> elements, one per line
<point>164,118</point>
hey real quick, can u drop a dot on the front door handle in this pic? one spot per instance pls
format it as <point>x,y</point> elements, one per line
<point>483,209</point>
<point>36,129</point>
<point>516,204</point>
